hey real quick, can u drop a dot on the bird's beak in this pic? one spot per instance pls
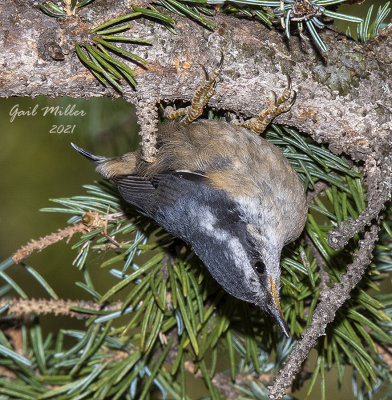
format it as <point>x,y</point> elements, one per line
<point>90,156</point>
<point>276,311</point>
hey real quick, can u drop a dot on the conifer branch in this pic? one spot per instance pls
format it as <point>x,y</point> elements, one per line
<point>331,299</point>
<point>91,220</point>
<point>43,242</point>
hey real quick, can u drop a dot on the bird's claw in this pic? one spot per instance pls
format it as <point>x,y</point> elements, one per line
<point>277,106</point>
<point>200,98</point>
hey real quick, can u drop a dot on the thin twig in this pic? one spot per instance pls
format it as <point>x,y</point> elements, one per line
<point>20,307</point>
<point>43,242</point>
<point>319,187</point>
<point>91,220</point>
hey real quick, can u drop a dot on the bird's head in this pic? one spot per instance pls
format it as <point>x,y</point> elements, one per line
<point>264,248</point>
<point>245,260</point>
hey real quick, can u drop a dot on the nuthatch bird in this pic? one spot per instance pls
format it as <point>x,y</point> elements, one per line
<point>220,187</point>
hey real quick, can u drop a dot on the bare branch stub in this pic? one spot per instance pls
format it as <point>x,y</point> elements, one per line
<point>331,299</point>
<point>147,116</point>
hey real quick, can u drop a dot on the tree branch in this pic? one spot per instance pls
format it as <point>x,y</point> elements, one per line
<point>343,99</point>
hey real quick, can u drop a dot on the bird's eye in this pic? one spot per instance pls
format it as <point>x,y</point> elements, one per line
<point>259,267</point>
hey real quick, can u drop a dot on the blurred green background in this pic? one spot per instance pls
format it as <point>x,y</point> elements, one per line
<point>38,165</point>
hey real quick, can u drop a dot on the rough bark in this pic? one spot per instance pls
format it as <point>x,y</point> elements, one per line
<point>344,98</point>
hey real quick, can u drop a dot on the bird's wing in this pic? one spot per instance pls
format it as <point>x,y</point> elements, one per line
<point>137,191</point>
<point>175,185</point>
<point>133,185</point>
<point>161,190</point>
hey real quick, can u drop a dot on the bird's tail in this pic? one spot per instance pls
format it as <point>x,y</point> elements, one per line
<point>92,157</point>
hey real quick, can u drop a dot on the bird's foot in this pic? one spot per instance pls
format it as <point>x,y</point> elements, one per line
<point>277,106</point>
<point>171,113</point>
<point>200,99</point>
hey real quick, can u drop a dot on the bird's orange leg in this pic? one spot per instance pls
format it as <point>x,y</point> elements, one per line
<point>200,99</point>
<point>277,106</point>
